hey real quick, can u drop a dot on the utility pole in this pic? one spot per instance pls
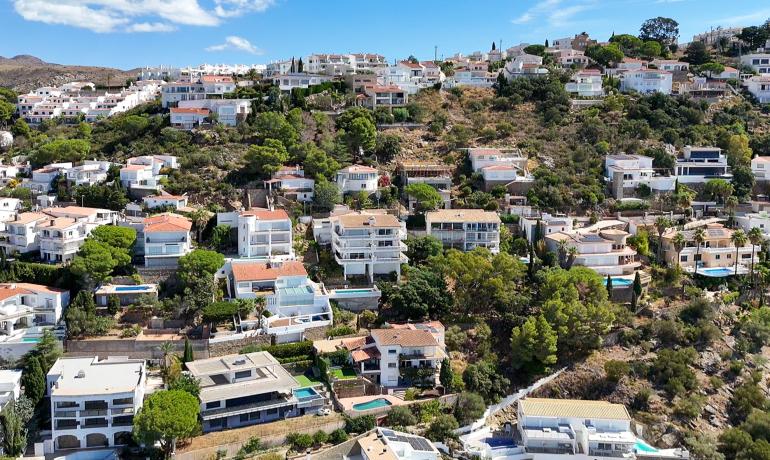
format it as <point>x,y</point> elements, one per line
<point>435,52</point>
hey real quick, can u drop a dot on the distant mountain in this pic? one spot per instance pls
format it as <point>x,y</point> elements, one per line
<point>23,73</point>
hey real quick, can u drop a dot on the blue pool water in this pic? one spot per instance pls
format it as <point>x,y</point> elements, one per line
<point>500,442</point>
<point>642,446</point>
<point>30,339</point>
<point>619,282</point>
<point>305,393</point>
<point>355,291</point>
<point>720,271</point>
<point>131,288</point>
<point>373,404</point>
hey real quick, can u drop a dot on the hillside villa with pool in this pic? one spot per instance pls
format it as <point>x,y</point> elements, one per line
<point>716,256</point>
<point>550,429</point>
<point>26,310</point>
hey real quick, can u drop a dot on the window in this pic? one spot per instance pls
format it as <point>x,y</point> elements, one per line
<point>122,401</point>
<point>604,446</point>
<point>244,418</point>
<point>745,256</point>
<point>718,256</point>
<point>392,351</point>
<point>242,374</point>
<point>391,365</point>
<point>684,258</point>
<point>213,404</point>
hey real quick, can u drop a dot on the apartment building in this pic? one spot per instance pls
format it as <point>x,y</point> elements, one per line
<point>715,257</point>
<point>42,305</point>
<point>288,81</point>
<point>465,229</point>
<point>436,175</point>
<point>500,167</point>
<point>579,42</point>
<point>65,230</point>
<point>9,209</point>
<point>229,112</point>
<point>43,178</point>
<point>386,444</point>
<point>195,88</point>
<point>586,83</point>
<point>601,247</point>
<point>760,166</point>
<point>291,182</point>
<point>93,402</point>
<point>759,87</point>
<point>700,164</point>
<point>90,172</point>
<point>356,178</point>
<point>759,62</point>
<point>368,244</point>
<point>240,390</point>
<point>295,302</point>
<point>646,81</point>
<point>10,386</point>
<point>342,64</point>
<point>164,239</point>
<point>524,66</point>
<point>262,233</point>
<point>382,96</point>
<point>19,235</point>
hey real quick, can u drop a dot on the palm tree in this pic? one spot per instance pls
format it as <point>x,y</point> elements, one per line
<point>699,237</point>
<point>757,238</point>
<point>731,202</point>
<point>166,348</point>
<point>572,253</point>
<point>739,239</point>
<point>200,218</point>
<point>661,224</point>
<point>679,243</point>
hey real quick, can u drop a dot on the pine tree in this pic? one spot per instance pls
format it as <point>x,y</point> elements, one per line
<point>33,380</point>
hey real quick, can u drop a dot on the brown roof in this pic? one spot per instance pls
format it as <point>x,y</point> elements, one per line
<point>167,222</point>
<point>404,337</point>
<point>58,223</point>
<point>8,290</point>
<point>543,407</point>
<point>365,354</point>
<point>258,271</point>
<point>28,217</point>
<point>368,220</point>
<point>200,111</point>
<point>216,79</point>
<point>71,211</point>
<point>266,214</point>
<point>463,215</point>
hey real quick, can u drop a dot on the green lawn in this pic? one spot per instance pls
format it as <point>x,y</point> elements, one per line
<point>344,373</point>
<point>306,381</point>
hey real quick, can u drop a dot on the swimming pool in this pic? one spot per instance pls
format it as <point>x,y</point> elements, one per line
<point>31,339</point>
<point>619,282</point>
<point>642,446</point>
<point>354,291</point>
<point>373,404</point>
<point>717,272</point>
<point>131,288</point>
<point>305,393</point>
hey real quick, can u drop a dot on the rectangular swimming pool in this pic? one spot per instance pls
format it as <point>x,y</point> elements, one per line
<point>131,288</point>
<point>373,404</point>
<point>305,393</point>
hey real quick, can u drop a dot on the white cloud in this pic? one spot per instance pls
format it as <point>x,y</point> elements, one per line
<point>234,43</point>
<point>745,19</point>
<point>135,15</point>
<point>555,13</point>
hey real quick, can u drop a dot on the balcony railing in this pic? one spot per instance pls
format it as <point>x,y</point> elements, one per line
<point>99,423</point>
<point>93,413</point>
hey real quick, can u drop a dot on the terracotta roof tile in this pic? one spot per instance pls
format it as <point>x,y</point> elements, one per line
<point>404,337</point>
<point>167,222</point>
<point>257,271</point>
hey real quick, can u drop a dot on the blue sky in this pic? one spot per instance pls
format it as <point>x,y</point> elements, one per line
<point>131,33</point>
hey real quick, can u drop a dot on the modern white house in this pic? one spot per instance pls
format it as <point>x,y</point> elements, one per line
<point>356,178</point>
<point>367,244</point>
<point>91,172</point>
<point>291,182</point>
<point>760,166</point>
<point>188,118</point>
<point>26,312</point>
<point>10,386</point>
<point>394,445</point>
<point>288,81</point>
<point>262,233</point>
<point>9,209</point>
<point>164,239</point>
<point>43,178</point>
<point>383,96</point>
<point>585,83</point>
<point>759,87</point>
<point>296,303</point>
<point>539,225</point>
<point>646,81</point>
<point>500,166</point>
<point>700,164</point>
<point>465,229</point>
<point>601,247</point>
<point>142,175</point>
<point>165,201</point>
<point>760,220</point>
<point>93,402</point>
<point>229,112</point>
<point>524,66</point>
<point>670,65</point>
<point>760,62</point>
<point>196,88</point>
<point>240,390</point>
<point>626,173</point>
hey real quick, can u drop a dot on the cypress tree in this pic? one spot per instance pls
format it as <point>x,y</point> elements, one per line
<point>14,432</point>
<point>300,66</point>
<point>33,380</point>
<point>609,286</point>
<point>188,352</point>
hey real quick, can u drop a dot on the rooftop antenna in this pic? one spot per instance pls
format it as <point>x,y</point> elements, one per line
<point>435,52</point>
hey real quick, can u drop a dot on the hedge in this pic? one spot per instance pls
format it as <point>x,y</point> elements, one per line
<point>290,350</point>
<point>31,272</point>
<point>219,311</point>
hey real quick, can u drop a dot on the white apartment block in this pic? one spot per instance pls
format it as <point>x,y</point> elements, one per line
<point>367,243</point>
<point>646,81</point>
<point>204,87</point>
<point>342,64</point>
<point>142,175</point>
<point>385,96</point>
<point>601,247</point>
<point>65,230</point>
<point>262,233</point>
<point>586,83</point>
<point>472,78</point>
<point>291,182</point>
<point>760,62</point>
<point>240,390</point>
<point>295,302</point>
<point>760,166</point>
<point>670,65</point>
<point>19,236</point>
<point>570,58</point>
<point>9,209</point>
<point>412,76</point>
<point>43,178</point>
<point>759,87</point>
<point>356,178</point>
<point>93,402</point>
<point>465,229</point>
<point>627,172</point>
<point>164,239</point>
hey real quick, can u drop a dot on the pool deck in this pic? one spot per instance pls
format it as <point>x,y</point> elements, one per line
<point>348,403</point>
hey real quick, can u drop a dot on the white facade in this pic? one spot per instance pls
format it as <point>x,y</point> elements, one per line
<point>164,239</point>
<point>9,209</point>
<point>295,302</point>
<point>368,244</point>
<point>760,62</point>
<point>646,81</point>
<point>196,88</point>
<point>10,386</point>
<point>586,83</point>
<point>42,178</point>
<point>671,65</point>
<point>229,112</point>
<point>40,305</point>
<point>759,87</point>
<point>700,164</point>
<point>143,174</point>
<point>261,233</point>
<point>65,230</point>
<point>188,118</point>
<point>91,172</point>
<point>628,172</point>
<point>465,229</point>
<point>396,445</point>
<point>356,178</point>
<point>760,166</point>
<point>93,402</point>
<point>162,201</point>
<point>760,220</point>
<point>19,235</point>
<point>601,248</point>
<point>287,82</point>
<point>292,183</point>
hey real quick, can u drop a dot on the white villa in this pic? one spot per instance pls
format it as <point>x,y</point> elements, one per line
<point>386,444</point>
<point>760,166</point>
<point>295,302</point>
<point>356,178</point>
<point>499,166</point>
<point>601,247</point>
<point>759,87</point>
<point>646,81</point>
<point>64,230</point>
<point>240,390</point>
<point>262,233</point>
<point>142,175</point>
<point>93,402</point>
<point>292,183</point>
<point>586,83</point>
<point>760,62</point>
<point>465,229</point>
<point>229,112</point>
<point>91,172</point>
<point>164,239</point>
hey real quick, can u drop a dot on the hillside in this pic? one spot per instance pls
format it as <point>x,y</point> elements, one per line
<point>23,73</point>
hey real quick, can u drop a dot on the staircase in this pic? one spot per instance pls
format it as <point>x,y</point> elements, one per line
<point>400,394</point>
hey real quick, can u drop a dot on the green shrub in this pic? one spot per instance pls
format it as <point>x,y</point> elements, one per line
<point>341,330</point>
<point>218,312</point>
<point>338,436</point>
<point>320,437</point>
<point>299,441</point>
<point>254,444</point>
<point>360,424</point>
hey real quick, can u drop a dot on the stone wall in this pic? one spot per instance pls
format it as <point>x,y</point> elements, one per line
<point>234,346</point>
<point>146,348</point>
<point>316,333</point>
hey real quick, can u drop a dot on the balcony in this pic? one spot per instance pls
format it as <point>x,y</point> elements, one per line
<point>550,450</point>
<point>66,424</point>
<point>95,423</point>
<point>65,414</point>
<point>93,413</point>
